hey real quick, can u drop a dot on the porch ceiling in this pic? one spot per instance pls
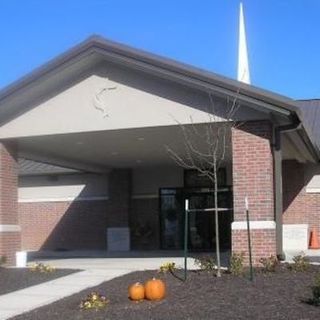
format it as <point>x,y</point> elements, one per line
<point>101,150</point>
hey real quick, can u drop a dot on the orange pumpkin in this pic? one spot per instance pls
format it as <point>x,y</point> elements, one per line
<point>155,289</point>
<point>136,291</point>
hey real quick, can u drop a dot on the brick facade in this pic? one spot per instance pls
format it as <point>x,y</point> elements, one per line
<point>299,207</point>
<point>253,177</point>
<point>119,197</point>
<point>82,225</point>
<point>262,242</point>
<point>145,224</point>
<point>9,241</point>
<point>76,224</point>
<point>64,225</point>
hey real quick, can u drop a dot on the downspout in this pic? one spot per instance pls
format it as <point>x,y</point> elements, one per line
<point>278,197</point>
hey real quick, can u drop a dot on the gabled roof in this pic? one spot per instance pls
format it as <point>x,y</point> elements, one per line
<point>153,63</point>
<point>161,67</point>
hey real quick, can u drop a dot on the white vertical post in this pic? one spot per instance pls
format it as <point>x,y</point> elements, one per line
<point>246,203</point>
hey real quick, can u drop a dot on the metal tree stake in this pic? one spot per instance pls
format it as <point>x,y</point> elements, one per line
<point>186,217</point>
<point>249,237</point>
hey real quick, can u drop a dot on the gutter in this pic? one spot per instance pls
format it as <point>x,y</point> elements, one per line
<point>278,200</point>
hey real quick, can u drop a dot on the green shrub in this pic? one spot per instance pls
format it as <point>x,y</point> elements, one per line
<point>206,263</point>
<point>167,267</point>
<point>269,264</point>
<point>300,263</point>
<point>94,300</point>
<point>237,263</point>
<point>315,300</point>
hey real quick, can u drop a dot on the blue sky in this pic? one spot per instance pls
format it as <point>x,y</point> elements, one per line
<point>283,35</point>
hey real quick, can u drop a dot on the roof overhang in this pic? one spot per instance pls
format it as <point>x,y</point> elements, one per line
<point>96,48</point>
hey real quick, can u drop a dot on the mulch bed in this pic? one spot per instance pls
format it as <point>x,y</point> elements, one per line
<point>15,279</point>
<point>277,295</point>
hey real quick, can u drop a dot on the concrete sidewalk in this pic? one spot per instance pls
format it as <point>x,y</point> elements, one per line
<point>96,271</point>
<point>131,264</point>
<point>21,301</point>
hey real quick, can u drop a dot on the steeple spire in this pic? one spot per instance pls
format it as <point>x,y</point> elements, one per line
<point>243,61</point>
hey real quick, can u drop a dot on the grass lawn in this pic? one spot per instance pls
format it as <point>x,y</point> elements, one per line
<point>276,295</point>
<point>15,279</point>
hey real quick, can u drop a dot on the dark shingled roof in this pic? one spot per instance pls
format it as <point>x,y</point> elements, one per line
<point>310,113</point>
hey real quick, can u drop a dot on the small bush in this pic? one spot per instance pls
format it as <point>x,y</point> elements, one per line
<point>236,264</point>
<point>315,300</point>
<point>42,268</point>
<point>167,267</point>
<point>94,300</point>
<point>206,263</point>
<point>269,264</point>
<point>300,263</point>
<point>3,260</point>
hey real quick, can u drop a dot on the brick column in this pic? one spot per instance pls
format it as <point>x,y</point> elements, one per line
<point>10,241</point>
<point>120,197</point>
<point>253,177</point>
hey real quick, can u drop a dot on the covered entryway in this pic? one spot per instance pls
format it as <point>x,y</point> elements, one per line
<point>107,112</point>
<point>121,184</point>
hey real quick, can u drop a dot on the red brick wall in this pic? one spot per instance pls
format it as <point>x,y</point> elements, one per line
<point>262,241</point>
<point>9,241</point>
<point>76,224</point>
<point>299,207</point>
<point>64,225</point>
<point>82,224</point>
<point>253,177</point>
<point>145,224</point>
<point>120,196</point>
<point>8,185</point>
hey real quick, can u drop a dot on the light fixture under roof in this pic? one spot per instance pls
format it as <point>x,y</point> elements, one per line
<point>114,153</point>
<point>138,161</point>
<point>79,143</point>
<point>141,139</point>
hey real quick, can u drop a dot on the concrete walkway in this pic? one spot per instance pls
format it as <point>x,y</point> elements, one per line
<point>312,255</point>
<point>95,271</point>
<point>21,301</point>
<point>129,264</point>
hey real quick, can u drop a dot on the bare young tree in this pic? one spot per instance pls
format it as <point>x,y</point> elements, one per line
<point>205,149</point>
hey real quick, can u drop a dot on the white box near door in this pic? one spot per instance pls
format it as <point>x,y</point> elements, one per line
<point>295,237</point>
<point>118,239</point>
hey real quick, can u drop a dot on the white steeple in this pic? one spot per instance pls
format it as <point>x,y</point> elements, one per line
<point>243,63</point>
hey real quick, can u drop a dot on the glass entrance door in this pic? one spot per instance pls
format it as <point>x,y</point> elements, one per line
<point>201,224</point>
<point>171,218</point>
